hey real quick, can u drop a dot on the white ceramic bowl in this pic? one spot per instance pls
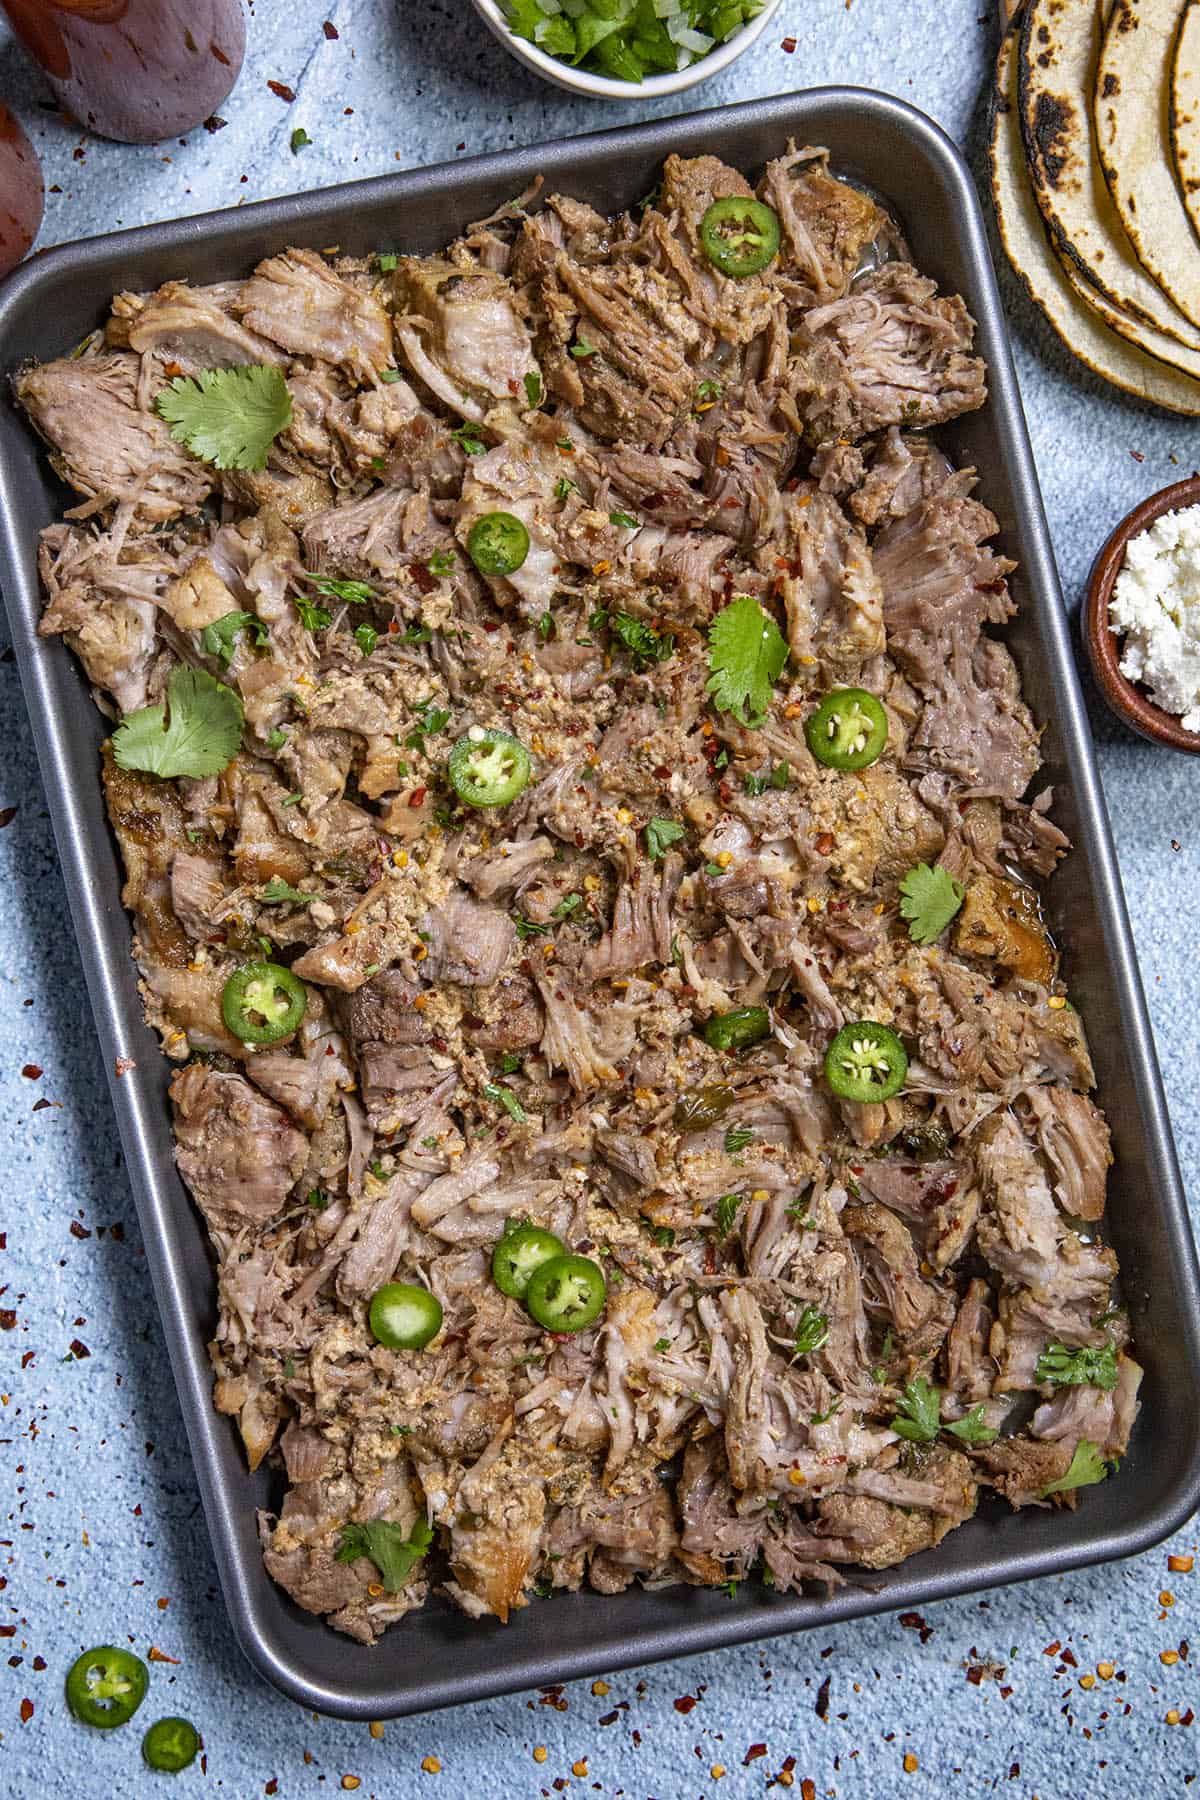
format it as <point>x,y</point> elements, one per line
<point>601,87</point>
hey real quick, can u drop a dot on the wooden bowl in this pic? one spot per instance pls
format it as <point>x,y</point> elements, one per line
<point>1103,645</point>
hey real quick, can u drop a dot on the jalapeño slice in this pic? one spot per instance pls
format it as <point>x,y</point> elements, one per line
<point>263,1003</point>
<point>105,1686</point>
<point>866,1061</point>
<point>740,236</point>
<point>489,768</point>
<point>566,1294</point>
<point>498,543</point>
<point>739,1029</point>
<point>519,1254</point>
<point>171,1745</point>
<point>403,1316</point>
<point>848,730</point>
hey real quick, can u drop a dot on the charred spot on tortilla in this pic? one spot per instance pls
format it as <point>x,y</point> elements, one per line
<point>1053,116</point>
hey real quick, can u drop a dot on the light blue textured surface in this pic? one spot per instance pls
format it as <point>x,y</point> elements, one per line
<point>104,1535</point>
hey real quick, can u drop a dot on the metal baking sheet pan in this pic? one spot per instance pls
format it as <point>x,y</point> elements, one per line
<point>439,1657</point>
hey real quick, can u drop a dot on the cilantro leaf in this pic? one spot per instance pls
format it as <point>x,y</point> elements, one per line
<point>533,388</point>
<point>277,893</point>
<point>971,1428</point>
<point>1078,1368</point>
<point>196,733</point>
<point>566,906</point>
<point>737,1138</point>
<point>644,644</point>
<point>563,486</point>
<point>228,417</point>
<point>366,637</point>
<point>920,1412</point>
<point>929,899</point>
<point>581,347</point>
<point>660,835</point>
<point>442,562</point>
<point>624,519</point>
<point>1087,1468</point>
<point>508,1101</point>
<point>220,638</point>
<point>467,437</point>
<point>746,654</point>
<point>394,1555</point>
<point>528,928</point>
<point>727,1210</point>
<point>313,618</point>
<point>812,1330</point>
<point>354,593</point>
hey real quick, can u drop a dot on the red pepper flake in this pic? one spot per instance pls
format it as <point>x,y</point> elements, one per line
<point>41,1105</point>
<point>609,1718</point>
<point>157,1655</point>
<point>822,1706</point>
<point>753,1754</point>
<point>685,1703</point>
<point>26,1711</point>
<point>912,1621</point>
<point>123,1065</point>
<point>79,1349</point>
<point>808,1789</point>
<point>825,844</point>
<point>8,1631</point>
<point>7,815</point>
<point>1068,1657</point>
<point>272,1786</point>
<point>331,31</point>
<point>39,1663</point>
<point>789,44</point>
<point>1137,456</point>
<point>27,1358</point>
<point>282,91</point>
<point>8,1319</point>
<point>32,1072</point>
<point>117,1233</point>
<point>417,797</point>
<point>77,1230</point>
<point>1053,1649</point>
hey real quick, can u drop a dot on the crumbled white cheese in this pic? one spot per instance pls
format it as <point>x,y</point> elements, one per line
<point>1156,605</point>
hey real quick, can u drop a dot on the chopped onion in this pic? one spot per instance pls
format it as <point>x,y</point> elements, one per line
<point>680,32</point>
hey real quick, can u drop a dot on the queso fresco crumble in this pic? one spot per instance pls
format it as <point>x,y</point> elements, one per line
<point>1156,605</point>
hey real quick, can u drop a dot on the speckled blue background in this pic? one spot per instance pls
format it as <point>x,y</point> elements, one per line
<point>103,1536</point>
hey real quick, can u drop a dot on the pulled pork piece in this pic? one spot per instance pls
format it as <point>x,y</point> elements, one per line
<point>104,444</point>
<point>823,573</point>
<point>298,302</point>
<point>1075,1138</point>
<point>238,1152</point>
<point>460,333</point>
<point>826,225</point>
<point>887,353</point>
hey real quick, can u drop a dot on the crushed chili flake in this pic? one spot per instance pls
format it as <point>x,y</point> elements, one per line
<point>685,1703</point>
<point>157,1655</point>
<point>808,1789</point>
<point>282,91</point>
<point>7,815</point>
<point>912,1621</point>
<point>32,1072</point>
<point>77,1230</point>
<point>272,1786</point>
<point>753,1754</point>
<point>79,1349</point>
<point>1180,1565</point>
<point>26,1711</point>
<point>789,44</point>
<point>822,1707</point>
<point>123,1065</point>
<point>330,29</point>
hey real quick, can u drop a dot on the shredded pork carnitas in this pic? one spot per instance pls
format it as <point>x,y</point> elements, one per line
<point>505,1008</point>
